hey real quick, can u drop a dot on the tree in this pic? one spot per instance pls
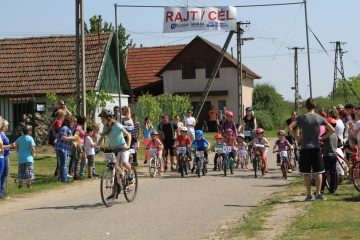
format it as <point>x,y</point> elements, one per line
<point>125,42</point>
<point>268,106</point>
<point>352,85</point>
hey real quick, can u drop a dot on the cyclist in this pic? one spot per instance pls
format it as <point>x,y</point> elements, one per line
<point>229,123</point>
<point>249,122</point>
<point>183,140</point>
<point>218,144</point>
<point>115,132</point>
<point>242,151</point>
<point>156,143</point>
<point>281,143</point>
<point>200,143</point>
<point>230,140</point>
<point>260,139</point>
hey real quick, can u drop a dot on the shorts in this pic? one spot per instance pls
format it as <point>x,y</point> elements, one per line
<point>168,145</point>
<point>311,158</point>
<point>91,159</point>
<point>124,155</point>
<point>26,171</point>
<point>290,139</point>
<point>242,153</point>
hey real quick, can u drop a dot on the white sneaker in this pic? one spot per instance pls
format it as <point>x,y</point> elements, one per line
<point>289,171</point>
<point>278,163</point>
<point>70,175</point>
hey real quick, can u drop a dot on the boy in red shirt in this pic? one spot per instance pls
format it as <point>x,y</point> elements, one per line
<point>182,140</point>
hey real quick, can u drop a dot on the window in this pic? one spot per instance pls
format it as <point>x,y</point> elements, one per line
<point>221,104</point>
<point>188,71</point>
<point>208,70</point>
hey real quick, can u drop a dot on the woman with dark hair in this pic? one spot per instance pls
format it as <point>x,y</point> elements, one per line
<point>25,147</point>
<point>63,145</point>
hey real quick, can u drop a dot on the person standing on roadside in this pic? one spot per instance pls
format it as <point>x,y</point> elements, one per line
<point>190,122</point>
<point>167,132</point>
<point>117,115</point>
<point>147,127</point>
<point>212,119</point>
<point>62,105</point>
<point>220,119</point>
<point>6,145</point>
<point>310,153</point>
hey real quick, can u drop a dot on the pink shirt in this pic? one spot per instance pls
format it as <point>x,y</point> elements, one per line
<point>81,134</point>
<point>155,144</point>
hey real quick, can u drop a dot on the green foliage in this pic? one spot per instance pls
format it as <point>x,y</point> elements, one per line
<point>52,97</point>
<point>152,107</point>
<point>352,83</point>
<point>268,106</point>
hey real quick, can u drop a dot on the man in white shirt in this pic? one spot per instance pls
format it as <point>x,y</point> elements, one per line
<point>190,123</point>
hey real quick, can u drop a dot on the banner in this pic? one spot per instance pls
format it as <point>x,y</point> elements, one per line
<point>181,19</point>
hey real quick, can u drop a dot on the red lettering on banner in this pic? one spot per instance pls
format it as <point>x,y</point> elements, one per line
<point>178,17</point>
<point>193,14</point>
<point>211,18</point>
<point>227,16</point>
<point>187,17</point>
<point>221,15</point>
<point>169,16</point>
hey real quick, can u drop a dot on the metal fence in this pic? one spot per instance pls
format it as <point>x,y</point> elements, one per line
<point>12,108</point>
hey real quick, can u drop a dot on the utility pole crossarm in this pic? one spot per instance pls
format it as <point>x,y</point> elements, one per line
<point>297,107</point>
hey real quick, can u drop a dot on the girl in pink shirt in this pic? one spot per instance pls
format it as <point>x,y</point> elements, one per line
<point>156,143</point>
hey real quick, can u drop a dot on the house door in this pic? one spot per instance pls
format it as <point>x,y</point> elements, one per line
<point>203,114</point>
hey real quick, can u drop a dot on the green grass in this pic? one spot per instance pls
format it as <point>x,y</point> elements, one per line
<point>44,168</point>
<point>256,219</point>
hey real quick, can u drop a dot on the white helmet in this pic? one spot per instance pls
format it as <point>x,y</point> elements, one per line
<point>183,129</point>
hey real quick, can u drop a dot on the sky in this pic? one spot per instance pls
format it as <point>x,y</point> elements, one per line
<point>275,29</point>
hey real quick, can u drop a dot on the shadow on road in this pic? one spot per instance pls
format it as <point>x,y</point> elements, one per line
<point>79,207</point>
<point>236,205</point>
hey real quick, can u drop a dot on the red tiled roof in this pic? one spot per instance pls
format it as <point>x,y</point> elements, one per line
<point>47,64</point>
<point>143,63</point>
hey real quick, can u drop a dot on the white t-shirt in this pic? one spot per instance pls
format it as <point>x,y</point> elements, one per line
<point>339,129</point>
<point>263,141</point>
<point>88,148</point>
<point>357,128</point>
<point>127,122</point>
<point>190,120</point>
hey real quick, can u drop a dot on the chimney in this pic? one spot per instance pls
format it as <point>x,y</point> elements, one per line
<point>141,45</point>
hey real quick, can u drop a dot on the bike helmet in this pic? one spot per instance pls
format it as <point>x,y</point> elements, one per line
<point>248,109</point>
<point>331,121</point>
<point>281,133</point>
<point>26,129</point>
<point>198,133</point>
<point>218,136</point>
<point>229,131</point>
<point>220,111</point>
<point>259,130</point>
<point>241,135</point>
<point>229,113</point>
<point>183,129</point>
<point>154,133</point>
<point>129,129</point>
<point>106,113</point>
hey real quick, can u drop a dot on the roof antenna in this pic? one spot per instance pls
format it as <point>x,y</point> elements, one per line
<point>98,22</point>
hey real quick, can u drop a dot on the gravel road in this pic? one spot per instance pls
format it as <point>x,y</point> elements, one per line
<point>166,207</point>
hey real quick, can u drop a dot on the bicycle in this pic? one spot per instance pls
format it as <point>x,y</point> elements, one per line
<point>353,173</point>
<point>228,161</point>
<point>184,164</point>
<point>220,159</point>
<point>257,161</point>
<point>114,179</point>
<point>200,163</point>
<point>155,162</point>
<point>284,159</point>
<point>249,134</point>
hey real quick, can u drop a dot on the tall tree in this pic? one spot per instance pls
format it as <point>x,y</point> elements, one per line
<point>352,85</point>
<point>98,25</point>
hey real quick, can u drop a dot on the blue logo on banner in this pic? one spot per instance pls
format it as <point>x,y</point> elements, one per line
<point>173,26</point>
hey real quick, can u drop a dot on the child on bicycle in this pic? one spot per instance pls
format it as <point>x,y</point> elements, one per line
<point>230,140</point>
<point>242,152</point>
<point>201,144</point>
<point>354,150</point>
<point>183,140</point>
<point>156,143</point>
<point>281,144</point>
<point>218,144</point>
<point>260,139</point>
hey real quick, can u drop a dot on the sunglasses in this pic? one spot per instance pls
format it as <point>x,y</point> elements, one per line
<point>62,104</point>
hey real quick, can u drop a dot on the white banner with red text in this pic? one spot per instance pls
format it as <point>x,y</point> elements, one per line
<point>182,19</point>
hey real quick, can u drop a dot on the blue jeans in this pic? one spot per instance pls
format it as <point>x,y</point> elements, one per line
<point>71,165</point>
<point>6,172</point>
<point>1,171</point>
<point>63,159</point>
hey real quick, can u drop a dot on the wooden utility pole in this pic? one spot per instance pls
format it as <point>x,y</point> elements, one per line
<point>80,59</point>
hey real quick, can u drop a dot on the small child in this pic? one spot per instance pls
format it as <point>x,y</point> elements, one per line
<point>183,140</point>
<point>90,151</point>
<point>281,143</point>
<point>200,143</point>
<point>242,151</point>
<point>156,143</point>
<point>218,144</point>
<point>77,153</point>
<point>96,128</point>
<point>354,150</point>
<point>230,140</point>
<point>260,139</point>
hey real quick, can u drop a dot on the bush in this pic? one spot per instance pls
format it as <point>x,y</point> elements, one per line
<point>264,120</point>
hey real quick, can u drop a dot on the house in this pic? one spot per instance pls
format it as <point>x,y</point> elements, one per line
<point>32,67</point>
<point>188,71</point>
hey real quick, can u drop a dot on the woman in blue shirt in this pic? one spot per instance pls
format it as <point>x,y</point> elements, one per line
<point>6,144</point>
<point>25,147</point>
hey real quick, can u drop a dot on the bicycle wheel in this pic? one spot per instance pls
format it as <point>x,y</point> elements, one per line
<point>356,175</point>
<point>198,170</point>
<point>219,163</point>
<point>255,165</point>
<point>204,170</point>
<point>284,167</point>
<point>182,165</point>
<point>186,164</point>
<point>131,189</point>
<point>107,187</point>
<point>225,166</point>
<point>152,167</point>
<point>231,165</point>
